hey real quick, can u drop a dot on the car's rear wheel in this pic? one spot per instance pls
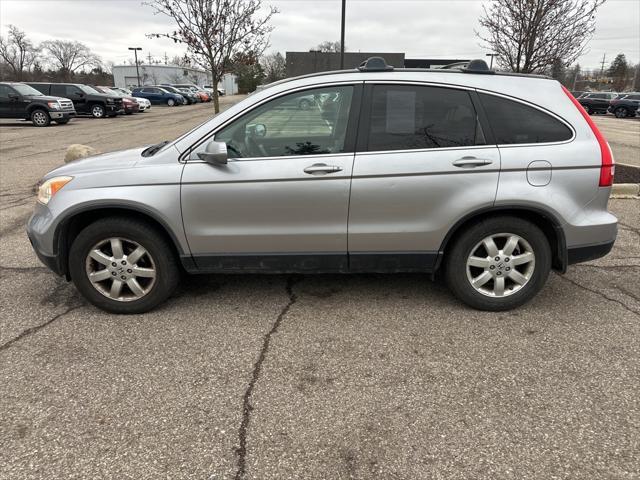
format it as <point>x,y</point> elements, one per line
<point>123,265</point>
<point>498,264</point>
<point>40,118</point>
<point>588,109</point>
<point>97,111</point>
<point>620,112</point>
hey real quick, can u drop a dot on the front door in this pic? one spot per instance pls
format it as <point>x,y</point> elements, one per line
<point>423,162</point>
<point>281,201</point>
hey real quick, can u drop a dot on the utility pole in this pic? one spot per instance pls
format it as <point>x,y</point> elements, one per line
<point>149,58</point>
<point>344,5</point>
<point>604,55</point>
<point>166,59</point>
<point>135,53</point>
<point>491,55</point>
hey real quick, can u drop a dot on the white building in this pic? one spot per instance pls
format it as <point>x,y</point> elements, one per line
<point>126,76</point>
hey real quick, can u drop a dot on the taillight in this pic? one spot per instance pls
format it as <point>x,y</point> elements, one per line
<point>607,167</point>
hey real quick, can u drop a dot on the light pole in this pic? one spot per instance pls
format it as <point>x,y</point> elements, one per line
<point>491,55</point>
<point>344,2</point>
<point>135,54</point>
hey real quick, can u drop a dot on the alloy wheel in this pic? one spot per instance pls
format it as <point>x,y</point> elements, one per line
<point>621,112</point>
<point>500,265</point>
<point>97,111</point>
<point>39,118</point>
<point>120,269</point>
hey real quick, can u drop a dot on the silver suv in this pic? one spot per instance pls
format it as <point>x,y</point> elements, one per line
<point>491,179</point>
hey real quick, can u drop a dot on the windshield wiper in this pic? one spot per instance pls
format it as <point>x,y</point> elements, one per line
<point>153,149</point>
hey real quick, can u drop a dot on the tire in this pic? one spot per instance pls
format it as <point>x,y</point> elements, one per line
<point>97,111</point>
<point>62,121</point>
<point>156,266</point>
<point>589,109</point>
<point>620,112</point>
<point>40,118</point>
<point>171,102</point>
<point>531,272</point>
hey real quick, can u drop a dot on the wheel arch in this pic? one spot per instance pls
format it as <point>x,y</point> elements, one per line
<point>67,230</point>
<point>546,221</point>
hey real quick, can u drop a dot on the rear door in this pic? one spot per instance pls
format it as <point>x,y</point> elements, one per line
<point>423,162</point>
<point>6,102</point>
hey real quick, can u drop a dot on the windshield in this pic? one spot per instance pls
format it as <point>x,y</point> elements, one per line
<point>26,90</point>
<point>87,89</point>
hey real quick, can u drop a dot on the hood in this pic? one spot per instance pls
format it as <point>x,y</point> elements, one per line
<point>107,161</point>
<point>44,98</point>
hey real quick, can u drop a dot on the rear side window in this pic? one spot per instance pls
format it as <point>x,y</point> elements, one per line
<point>415,117</point>
<point>514,123</point>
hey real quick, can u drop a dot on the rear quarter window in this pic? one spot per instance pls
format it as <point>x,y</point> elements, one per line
<point>515,123</point>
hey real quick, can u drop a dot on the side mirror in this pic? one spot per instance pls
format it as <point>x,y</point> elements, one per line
<point>257,130</point>
<point>14,96</point>
<point>214,153</point>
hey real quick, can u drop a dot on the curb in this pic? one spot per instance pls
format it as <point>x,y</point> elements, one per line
<point>625,190</point>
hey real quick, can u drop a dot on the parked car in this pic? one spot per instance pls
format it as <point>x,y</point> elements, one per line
<point>577,93</point>
<point>18,100</point>
<point>209,89</point>
<point>204,96</point>
<point>627,106</point>
<point>192,96</point>
<point>158,96</point>
<point>86,100</point>
<point>188,96</point>
<point>143,103</point>
<point>450,170</point>
<point>129,103</point>
<point>596,102</point>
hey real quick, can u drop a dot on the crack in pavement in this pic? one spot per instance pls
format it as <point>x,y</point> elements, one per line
<point>247,408</point>
<point>599,293</point>
<point>629,228</point>
<point>37,328</point>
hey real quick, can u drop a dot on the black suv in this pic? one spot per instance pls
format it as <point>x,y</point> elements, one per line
<point>86,100</point>
<point>18,100</point>
<point>627,106</point>
<point>597,102</point>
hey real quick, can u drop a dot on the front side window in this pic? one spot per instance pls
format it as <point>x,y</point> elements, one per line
<point>417,117</point>
<point>5,91</point>
<point>311,122</point>
<point>516,123</point>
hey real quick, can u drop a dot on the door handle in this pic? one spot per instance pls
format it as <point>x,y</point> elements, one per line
<point>321,169</point>
<point>471,162</point>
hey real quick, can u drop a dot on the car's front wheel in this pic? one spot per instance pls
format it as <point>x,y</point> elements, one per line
<point>97,111</point>
<point>498,264</point>
<point>620,112</point>
<point>123,265</point>
<point>171,102</point>
<point>40,118</point>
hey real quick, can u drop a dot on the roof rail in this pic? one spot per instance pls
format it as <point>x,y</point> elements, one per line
<point>375,64</point>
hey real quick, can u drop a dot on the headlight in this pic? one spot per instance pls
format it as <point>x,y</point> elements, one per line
<point>110,100</point>
<point>49,188</point>
<point>54,105</point>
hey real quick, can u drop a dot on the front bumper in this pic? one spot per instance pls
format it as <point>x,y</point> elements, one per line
<point>131,108</point>
<point>39,232</point>
<point>57,115</point>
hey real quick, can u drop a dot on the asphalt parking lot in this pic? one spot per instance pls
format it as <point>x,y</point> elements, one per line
<point>308,377</point>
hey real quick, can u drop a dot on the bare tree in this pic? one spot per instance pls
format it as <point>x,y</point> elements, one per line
<point>17,52</point>
<point>274,67</point>
<point>214,31</point>
<point>529,35</point>
<point>70,56</point>
<point>327,46</point>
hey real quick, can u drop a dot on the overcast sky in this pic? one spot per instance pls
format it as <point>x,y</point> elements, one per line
<point>419,28</point>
